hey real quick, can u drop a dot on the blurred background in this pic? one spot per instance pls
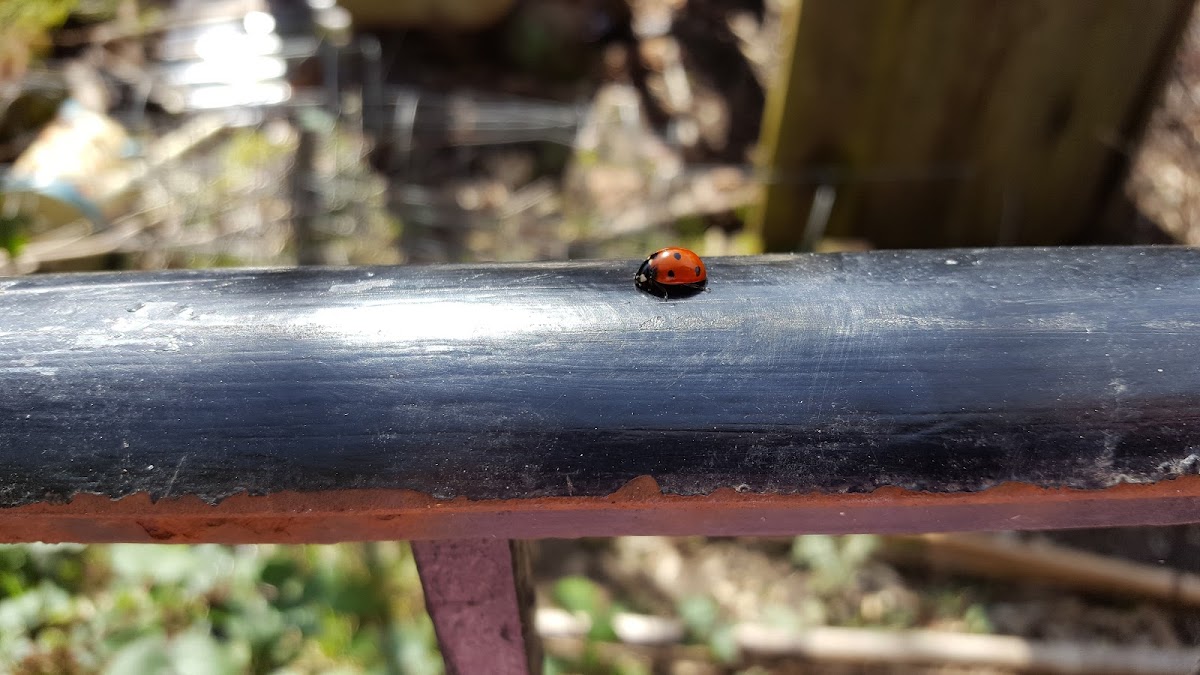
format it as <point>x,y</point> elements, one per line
<point>139,134</point>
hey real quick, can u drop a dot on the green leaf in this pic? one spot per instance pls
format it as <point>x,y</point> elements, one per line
<point>279,570</point>
<point>197,653</point>
<point>45,603</point>
<point>978,620</point>
<point>145,562</point>
<point>14,233</point>
<point>857,549</point>
<point>815,551</point>
<point>348,593</point>
<point>145,656</point>
<point>699,613</point>
<point>723,644</point>
<point>579,594</point>
<point>552,665</point>
<point>197,568</point>
<point>417,648</point>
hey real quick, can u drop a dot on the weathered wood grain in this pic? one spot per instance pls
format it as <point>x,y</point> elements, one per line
<point>960,122</point>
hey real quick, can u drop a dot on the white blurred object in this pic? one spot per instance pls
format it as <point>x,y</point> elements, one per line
<point>70,170</point>
<point>234,54</point>
<point>555,622</point>
<point>646,629</point>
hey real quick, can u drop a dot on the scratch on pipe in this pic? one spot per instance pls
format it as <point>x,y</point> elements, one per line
<point>175,475</point>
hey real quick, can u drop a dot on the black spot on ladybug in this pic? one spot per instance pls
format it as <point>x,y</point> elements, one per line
<point>678,256</point>
<point>670,274</point>
<point>697,271</point>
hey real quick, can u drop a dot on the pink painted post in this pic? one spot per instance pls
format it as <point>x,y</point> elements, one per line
<point>480,597</point>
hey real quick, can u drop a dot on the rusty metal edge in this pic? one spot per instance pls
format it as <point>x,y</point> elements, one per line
<point>639,508</point>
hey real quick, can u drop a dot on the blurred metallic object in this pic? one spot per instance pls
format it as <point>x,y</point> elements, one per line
<point>271,53</point>
<point>332,22</point>
<point>81,238</point>
<point>76,161</point>
<point>447,15</point>
<point>466,118</point>
<point>301,61</point>
<point>235,54</point>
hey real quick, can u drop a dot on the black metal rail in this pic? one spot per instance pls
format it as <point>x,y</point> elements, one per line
<point>941,371</point>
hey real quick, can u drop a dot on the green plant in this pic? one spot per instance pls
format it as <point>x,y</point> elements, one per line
<point>210,610</point>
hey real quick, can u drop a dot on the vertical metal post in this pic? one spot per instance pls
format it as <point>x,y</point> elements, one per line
<point>479,593</point>
<point>306,198</point>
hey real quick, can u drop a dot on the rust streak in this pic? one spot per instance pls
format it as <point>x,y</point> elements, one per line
<point>640,507</point>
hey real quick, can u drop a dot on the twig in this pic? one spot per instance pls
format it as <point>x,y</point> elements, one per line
<point>563,634</point>
<point>1048,563</point>
<point>854,645</point>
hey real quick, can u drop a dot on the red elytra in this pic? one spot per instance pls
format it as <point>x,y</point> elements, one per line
<point>671,272</point>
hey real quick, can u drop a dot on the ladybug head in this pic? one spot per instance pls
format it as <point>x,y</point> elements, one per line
<point>645,275</point>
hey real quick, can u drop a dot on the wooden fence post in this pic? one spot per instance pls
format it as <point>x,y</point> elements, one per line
<point>959,122</point>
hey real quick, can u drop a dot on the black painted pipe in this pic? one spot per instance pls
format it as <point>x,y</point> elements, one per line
<point>931,370</point>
